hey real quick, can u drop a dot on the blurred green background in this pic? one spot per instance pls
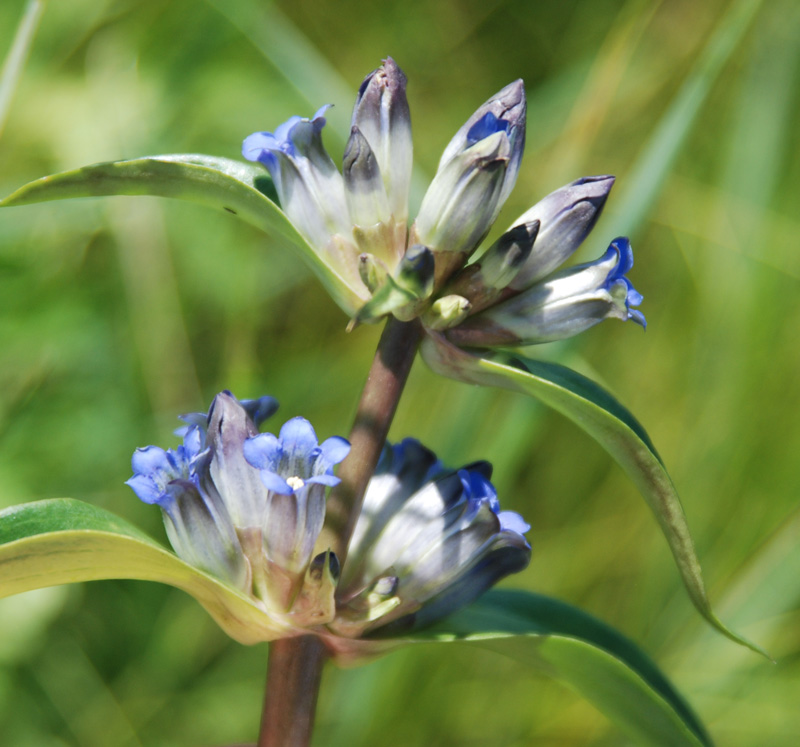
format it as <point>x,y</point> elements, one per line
<point>117,314</point>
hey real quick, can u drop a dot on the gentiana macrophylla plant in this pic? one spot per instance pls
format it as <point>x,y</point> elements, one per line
<point>348,549</point>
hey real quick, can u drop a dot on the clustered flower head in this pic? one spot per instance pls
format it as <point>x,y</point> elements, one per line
<point>248,508</point>
<point>356,221</point>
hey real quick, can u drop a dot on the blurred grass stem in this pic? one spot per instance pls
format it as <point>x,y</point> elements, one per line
<point>295,664</point>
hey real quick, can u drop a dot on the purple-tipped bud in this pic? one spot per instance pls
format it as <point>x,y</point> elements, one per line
<point>566,217</point>
<point>381,114</point>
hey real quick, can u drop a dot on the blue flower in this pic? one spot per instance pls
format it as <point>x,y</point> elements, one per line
<point>295,470</point>
<point>560,305</point>
<point>254,528</point>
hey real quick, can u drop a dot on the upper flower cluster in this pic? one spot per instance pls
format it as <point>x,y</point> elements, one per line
<point>356,221</point>
<point>248,507</point>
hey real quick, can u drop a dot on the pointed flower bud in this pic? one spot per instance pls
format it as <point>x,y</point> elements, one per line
<point>505,111</point>
<point>381,114</point>
<point>446,312</point>
<point>463,199</point>
<point>428,541</point>
<point>402,294</point>
<point>559,306</point>
<point>364,191</point>
<point>566,217</point>
<point>483,282</point>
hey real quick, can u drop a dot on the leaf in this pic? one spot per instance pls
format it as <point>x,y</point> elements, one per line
<point>583,653</point>
<point>62,541</point>
<point>239,188</point>
<point>609,423</point>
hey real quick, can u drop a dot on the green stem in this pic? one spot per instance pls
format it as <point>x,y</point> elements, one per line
<point>295,664</point>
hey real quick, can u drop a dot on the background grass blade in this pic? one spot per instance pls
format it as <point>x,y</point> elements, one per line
<point>644,182</point>
<point>14,63</point>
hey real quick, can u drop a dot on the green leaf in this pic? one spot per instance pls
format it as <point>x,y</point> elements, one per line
<point>239,188</point>
<point>583,653</point>
<point>63,541</point>
<point>609,423</point>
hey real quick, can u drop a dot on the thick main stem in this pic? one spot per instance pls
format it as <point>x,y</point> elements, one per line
<point>295,664</point>
<point>376,408</point>
<point>293,678</point>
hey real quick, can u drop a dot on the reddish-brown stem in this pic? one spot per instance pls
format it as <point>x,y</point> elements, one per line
<point>295,664</point>
<point>387,377</point>
<point>293,678</point>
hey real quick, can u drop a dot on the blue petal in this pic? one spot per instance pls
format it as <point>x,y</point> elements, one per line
<point>510,521</point>
<point>262,451</point>
<point>200,419</point>
<point>478,489</point>
<point>623,248</point>
<point>145,488</point>
<point>638,317</point>
<point>275,483</point>
<point>487,125</point>
<point>150,459</point>
<point>298,438</point>
<point>260,146</point>
<point>325,479</point>
<point>260,409</point>
<point>334,449</point>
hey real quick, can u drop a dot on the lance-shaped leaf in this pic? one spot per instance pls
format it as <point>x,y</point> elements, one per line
<point>574,648</point>
<point>62,541</point>
<point>609,423</point>
<point>239,188</point>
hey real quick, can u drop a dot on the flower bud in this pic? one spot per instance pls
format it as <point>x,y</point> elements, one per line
<point>566,217</point>
<point>364,191</point>
<point>446,312</point>
<point>482,282</point>
<point>505,111</point>
<point>427,541</point>
<point>381,114</point>
<point>462,202</point>
<point>560,306</point>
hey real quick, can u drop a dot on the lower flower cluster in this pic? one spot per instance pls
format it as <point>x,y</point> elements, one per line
<point>249,507</point>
